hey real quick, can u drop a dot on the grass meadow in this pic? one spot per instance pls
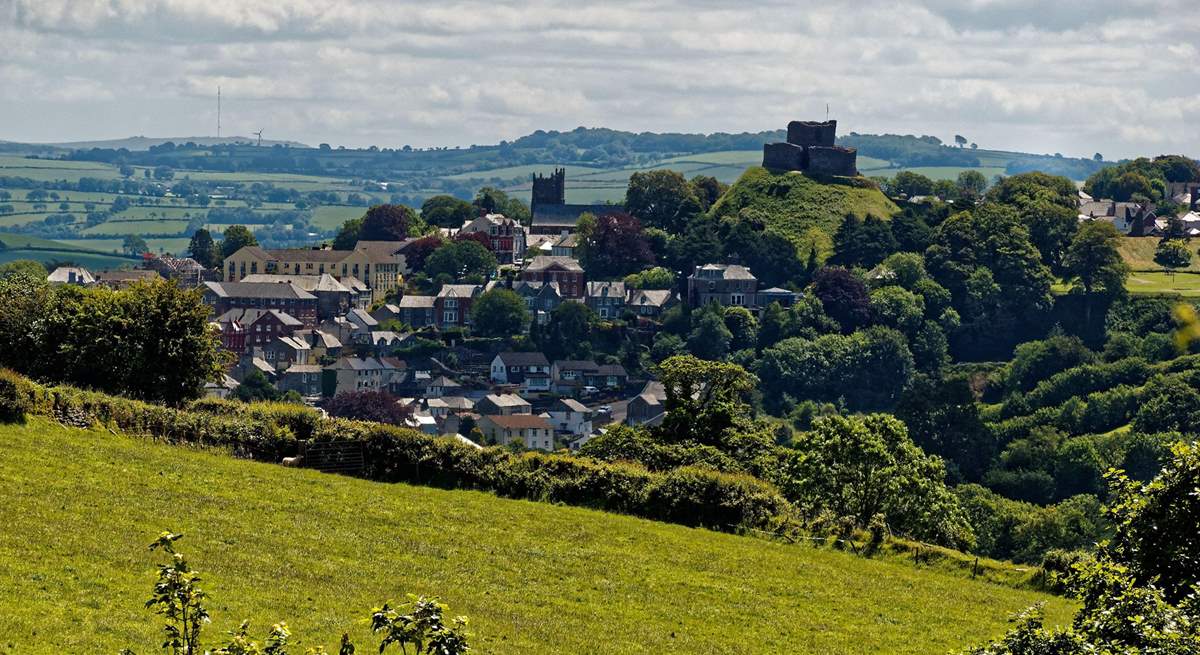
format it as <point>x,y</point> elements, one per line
<point>320,550</point>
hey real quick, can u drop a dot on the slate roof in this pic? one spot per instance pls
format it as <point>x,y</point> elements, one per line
<point>523,359</point>
<point>651,297</point>
<point>519,421</point>
<point>323,283</point>
<point>273,290</point>
<point>545,262</point>
<point>728,271</point>
<point>506,400</point>
<point>250,316</point>
<point>416,302</point>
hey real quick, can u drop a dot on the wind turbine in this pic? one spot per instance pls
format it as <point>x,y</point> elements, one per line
<point>259,135</point>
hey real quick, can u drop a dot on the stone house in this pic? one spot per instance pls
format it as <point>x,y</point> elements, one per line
<point>729,285</point>
<point>607,299</point>
<point>284,297</point>
<point>570,417</point>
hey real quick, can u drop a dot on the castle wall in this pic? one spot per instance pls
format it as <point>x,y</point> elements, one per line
<point>784,156</point>
<point>833,161</point>
<point>812,133</point>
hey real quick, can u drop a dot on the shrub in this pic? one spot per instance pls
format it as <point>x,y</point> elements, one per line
<point>270,431</point>
<point>16,397</point>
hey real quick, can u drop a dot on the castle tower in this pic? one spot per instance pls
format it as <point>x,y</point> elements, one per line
<point>550,189</point>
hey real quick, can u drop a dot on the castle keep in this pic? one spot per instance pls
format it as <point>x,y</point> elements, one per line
<point>810,148</point>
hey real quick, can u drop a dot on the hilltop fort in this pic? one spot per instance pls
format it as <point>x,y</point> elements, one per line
<point>810,148</point>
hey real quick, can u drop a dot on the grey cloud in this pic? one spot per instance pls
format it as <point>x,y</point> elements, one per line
<point>1073,76</point>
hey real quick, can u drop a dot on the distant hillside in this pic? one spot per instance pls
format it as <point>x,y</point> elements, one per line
<point>798,206</point>
<point>318,551</point>
<point>137,143</point>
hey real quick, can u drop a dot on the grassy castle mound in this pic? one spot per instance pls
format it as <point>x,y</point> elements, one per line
<point>804,208</point>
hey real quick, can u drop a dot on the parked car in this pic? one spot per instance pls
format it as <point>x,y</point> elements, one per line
<point>590,391</point>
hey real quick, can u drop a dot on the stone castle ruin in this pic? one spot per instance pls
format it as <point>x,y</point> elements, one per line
<point>810,148</point>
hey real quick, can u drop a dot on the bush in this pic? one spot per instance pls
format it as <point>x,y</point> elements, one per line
<point>270,431</point>
<point>16,397</point>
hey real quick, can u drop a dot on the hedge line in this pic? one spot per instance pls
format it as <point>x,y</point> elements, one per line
<point>690,496</point>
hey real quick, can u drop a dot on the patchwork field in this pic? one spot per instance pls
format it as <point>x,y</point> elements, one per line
<point>319,551</point>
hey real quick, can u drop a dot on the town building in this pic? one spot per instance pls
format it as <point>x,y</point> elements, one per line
<point>728,285</point>
<point>607,299</point>
<point>530,370</point>
<point>355,374</point>
<point>534,432</point>
<point>333,297</point>
<point>244,329</point>
<point>650,303</point>
<point>284,297</point>
<point>452,305</point>
<point>540,299</point>
<point>548,205</point>
<point>506,236</point>
<point>564,270</point>
<point>503,405</point>
<point>377,263</point>
<point>71,275</point>
<point>570,417</point>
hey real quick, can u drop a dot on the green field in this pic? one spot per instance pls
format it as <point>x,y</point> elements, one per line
<point>1138,252</point>
<point>1186,285</point>
<point>175,245</point>
<point>319,550</point>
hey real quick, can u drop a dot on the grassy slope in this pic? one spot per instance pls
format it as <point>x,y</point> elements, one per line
<point>795,204</point>
<point>318,550</point>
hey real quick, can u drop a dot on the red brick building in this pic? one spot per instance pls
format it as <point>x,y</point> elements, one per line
<point>566,271</point>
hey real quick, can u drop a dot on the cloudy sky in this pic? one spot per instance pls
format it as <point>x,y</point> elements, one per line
<point>1075,76</point>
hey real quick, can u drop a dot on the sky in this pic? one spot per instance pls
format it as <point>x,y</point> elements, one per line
<point>1120,77</point>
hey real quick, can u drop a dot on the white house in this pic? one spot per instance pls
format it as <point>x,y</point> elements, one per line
<point>530,370</point>
<point>570,416</point>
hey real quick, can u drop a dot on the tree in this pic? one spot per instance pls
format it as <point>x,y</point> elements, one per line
<point>126,171</point>
<point>704,399</point>
<point>743,328</point>
<point>708,189</point>
<point>164,173</point>
<point>447,211</point>
<point>499,312</point>
<point>1097,157</point>
<point>1172,254</point>
<point>460,259</point>
<point>203,249</point>
<point>943,419</point>
<point>133,244</point>
<point>1137,594</point>
<point>971,185</point>
<point>256,387</point>
<point>615,246</point>
<point>25,267</point>
<point>709,338</point>
<point>960,140</point>
<point>568,332</point>
<point>417,252</point>
<point>662,199</point>
<point>234,238</point>
<point>912,184</point>
<point>865,467</point>
<point>843,296</point>
<point>348,235</point>
<point>651,278</point>
<point>491,200</point>
<point>387,223</point>
<point>368,405</point>
<point>1094,262</point>
<point>899,308</point>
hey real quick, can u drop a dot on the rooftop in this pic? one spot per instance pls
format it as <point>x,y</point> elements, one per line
<point>519,421</point>
<point>523,359</point>
<point>544,262</point>
<point>323,283</point>
<point>273,290</point>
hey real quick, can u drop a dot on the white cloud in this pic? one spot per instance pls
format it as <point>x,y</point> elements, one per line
<point>1076,76</point>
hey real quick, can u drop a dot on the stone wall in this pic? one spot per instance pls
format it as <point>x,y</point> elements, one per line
<point>784,156</point>
<point>812,133</point>
<point>833,160</point>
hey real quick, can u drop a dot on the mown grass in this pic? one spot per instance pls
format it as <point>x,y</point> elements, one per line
<point>1186,285</point>
<point>1138,252</point>
<point>319,550</point>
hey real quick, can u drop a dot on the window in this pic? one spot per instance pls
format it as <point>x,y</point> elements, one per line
<point>737,299</point>
<point>449,317</point>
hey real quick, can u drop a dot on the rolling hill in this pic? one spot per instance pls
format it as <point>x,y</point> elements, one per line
<point>320,550</point>
<point>800,207</point>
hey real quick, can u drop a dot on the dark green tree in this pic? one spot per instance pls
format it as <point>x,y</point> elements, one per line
<point>234,238</point>
<point>662,199</point>
<point>203,249</point>
<point>499,312</point>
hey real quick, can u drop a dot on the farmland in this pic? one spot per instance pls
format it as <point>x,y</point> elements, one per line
<point>319,551</point>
